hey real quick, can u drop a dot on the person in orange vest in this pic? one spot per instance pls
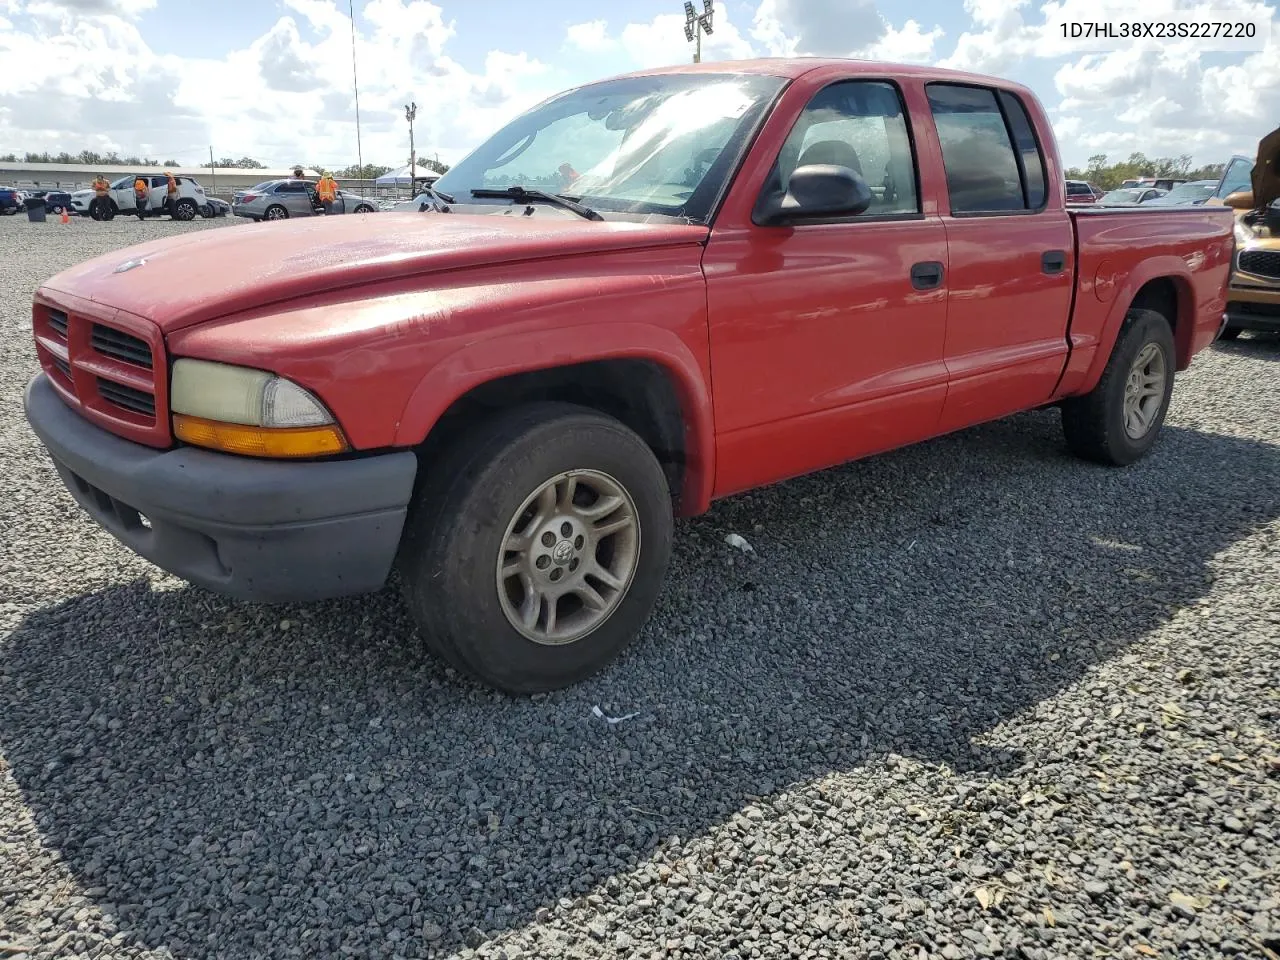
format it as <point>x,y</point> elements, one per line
<point>328,190</point>
<point>101,191</point>
<point>141,195</point>
<point>171,196</point>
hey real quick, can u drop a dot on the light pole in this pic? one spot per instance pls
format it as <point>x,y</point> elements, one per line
<point>411,111</point>
<point>695,23</point>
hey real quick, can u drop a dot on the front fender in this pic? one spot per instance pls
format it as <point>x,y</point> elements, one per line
<point>481,362</point>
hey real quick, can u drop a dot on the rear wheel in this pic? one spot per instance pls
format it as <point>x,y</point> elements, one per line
<point>537,547</point>
<point>1118,421</point>
<point>277,212</point>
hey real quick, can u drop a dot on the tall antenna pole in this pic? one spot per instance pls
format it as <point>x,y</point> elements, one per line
<point>356,86</point>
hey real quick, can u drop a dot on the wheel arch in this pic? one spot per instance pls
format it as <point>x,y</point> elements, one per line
<point>659,392</point>
<point>1162,284</point>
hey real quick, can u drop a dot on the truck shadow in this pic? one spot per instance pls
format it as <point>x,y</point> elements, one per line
<point>227,784</point>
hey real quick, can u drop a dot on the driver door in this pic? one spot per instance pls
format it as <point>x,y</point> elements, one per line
<point>827,338</point>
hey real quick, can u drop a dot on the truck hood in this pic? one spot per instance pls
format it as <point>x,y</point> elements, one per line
<point>184,280</point>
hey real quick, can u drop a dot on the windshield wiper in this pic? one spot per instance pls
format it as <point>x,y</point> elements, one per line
<point>520,195</point>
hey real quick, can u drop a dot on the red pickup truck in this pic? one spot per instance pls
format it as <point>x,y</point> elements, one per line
<point>640,296</point>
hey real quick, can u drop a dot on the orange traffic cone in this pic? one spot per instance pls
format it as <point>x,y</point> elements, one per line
<point>65,217</point>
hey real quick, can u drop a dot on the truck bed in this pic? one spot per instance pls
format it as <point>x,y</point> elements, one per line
<point>1119,249</point>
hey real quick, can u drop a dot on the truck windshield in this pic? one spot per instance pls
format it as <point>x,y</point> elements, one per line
<point>662,145</point>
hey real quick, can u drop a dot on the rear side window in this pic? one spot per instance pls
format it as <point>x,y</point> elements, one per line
<point>986,172</point>
<point>1034,185</point>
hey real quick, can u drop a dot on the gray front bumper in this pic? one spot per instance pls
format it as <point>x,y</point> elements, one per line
<point>251,529</point>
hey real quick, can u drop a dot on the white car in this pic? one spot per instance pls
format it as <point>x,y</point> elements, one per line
<point>191,199</point>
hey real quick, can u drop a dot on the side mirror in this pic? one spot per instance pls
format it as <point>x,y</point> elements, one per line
<point>1240,200</point>
<point>817,191</point>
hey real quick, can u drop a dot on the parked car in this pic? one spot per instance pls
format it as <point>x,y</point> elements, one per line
<point>1159,183</point>
<point>1192,193</point>
<point>121,199</point>
<point>214,207</point>
<point>1129,196</point>
<point>282,199</point>
<point>80,201</point>
<point>1081,193</point>
<point>10,201</point>
<point>423,201</point>
<point>510,402</point>
<point>1253,295</point>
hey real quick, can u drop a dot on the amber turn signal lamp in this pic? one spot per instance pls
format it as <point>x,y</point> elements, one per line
<point>272,442</point>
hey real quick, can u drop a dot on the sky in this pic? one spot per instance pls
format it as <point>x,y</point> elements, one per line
<point>272,79</point>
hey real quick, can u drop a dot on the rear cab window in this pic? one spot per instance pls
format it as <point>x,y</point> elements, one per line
<point>990,153</point>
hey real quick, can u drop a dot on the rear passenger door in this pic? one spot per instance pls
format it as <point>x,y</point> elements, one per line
<point>294,197</point>
<point>1011,256</point>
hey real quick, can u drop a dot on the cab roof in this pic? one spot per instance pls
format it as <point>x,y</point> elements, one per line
<point>792,68</point>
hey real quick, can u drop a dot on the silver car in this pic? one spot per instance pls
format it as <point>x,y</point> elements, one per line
<point>282,199</point>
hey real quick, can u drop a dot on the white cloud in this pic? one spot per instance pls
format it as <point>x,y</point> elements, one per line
<point>72,82</point>
<point>591,37</point>
<point>839,28</point>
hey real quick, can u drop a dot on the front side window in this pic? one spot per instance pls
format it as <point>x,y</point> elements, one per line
<point>660,145</point>
<point>860,124</point>
<point>982,168</point>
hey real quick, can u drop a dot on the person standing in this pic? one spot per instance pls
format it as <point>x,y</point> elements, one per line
<point>171,195</point>
<point>141,195</point>
<point>328,190</point>
<point>101,192</point>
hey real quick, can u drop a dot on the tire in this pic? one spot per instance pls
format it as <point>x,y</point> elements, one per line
<point>1095,424</point>
<point>185,210</point>
<point>449,558</point>
<point>276,212</point>
<point>109,210</point>
<point>364,208</point>
<point>1230,333</point>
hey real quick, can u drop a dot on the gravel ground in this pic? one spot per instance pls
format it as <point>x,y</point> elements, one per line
<point>974,698</point>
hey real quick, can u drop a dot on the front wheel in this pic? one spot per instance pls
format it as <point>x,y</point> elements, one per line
<point>537,548</point>
<point>1118,422</point>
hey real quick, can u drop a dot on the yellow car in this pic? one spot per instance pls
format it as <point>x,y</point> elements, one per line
<point>1253,294</point>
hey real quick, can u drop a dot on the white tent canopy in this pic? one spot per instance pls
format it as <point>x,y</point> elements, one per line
<point>401,176</point>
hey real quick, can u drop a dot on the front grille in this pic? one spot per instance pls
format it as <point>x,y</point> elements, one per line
<point>58,323</point>
<point>110,369</point>
<point>127,397</point>
<point>121,346</point>
<point>1261,263</point>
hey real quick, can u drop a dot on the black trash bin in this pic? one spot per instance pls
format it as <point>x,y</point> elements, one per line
<point>35,209</point>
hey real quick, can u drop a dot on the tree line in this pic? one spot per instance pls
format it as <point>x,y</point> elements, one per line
<point>90,158</point>
<point>1108,176</point>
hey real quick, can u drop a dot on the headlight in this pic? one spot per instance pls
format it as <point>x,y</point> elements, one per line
<point>252,412</point>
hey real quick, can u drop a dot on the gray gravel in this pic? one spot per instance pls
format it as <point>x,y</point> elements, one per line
<point>970,699</point>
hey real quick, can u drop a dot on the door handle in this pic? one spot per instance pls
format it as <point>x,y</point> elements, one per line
<point>926,275</point>
<point>1053,261</point>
